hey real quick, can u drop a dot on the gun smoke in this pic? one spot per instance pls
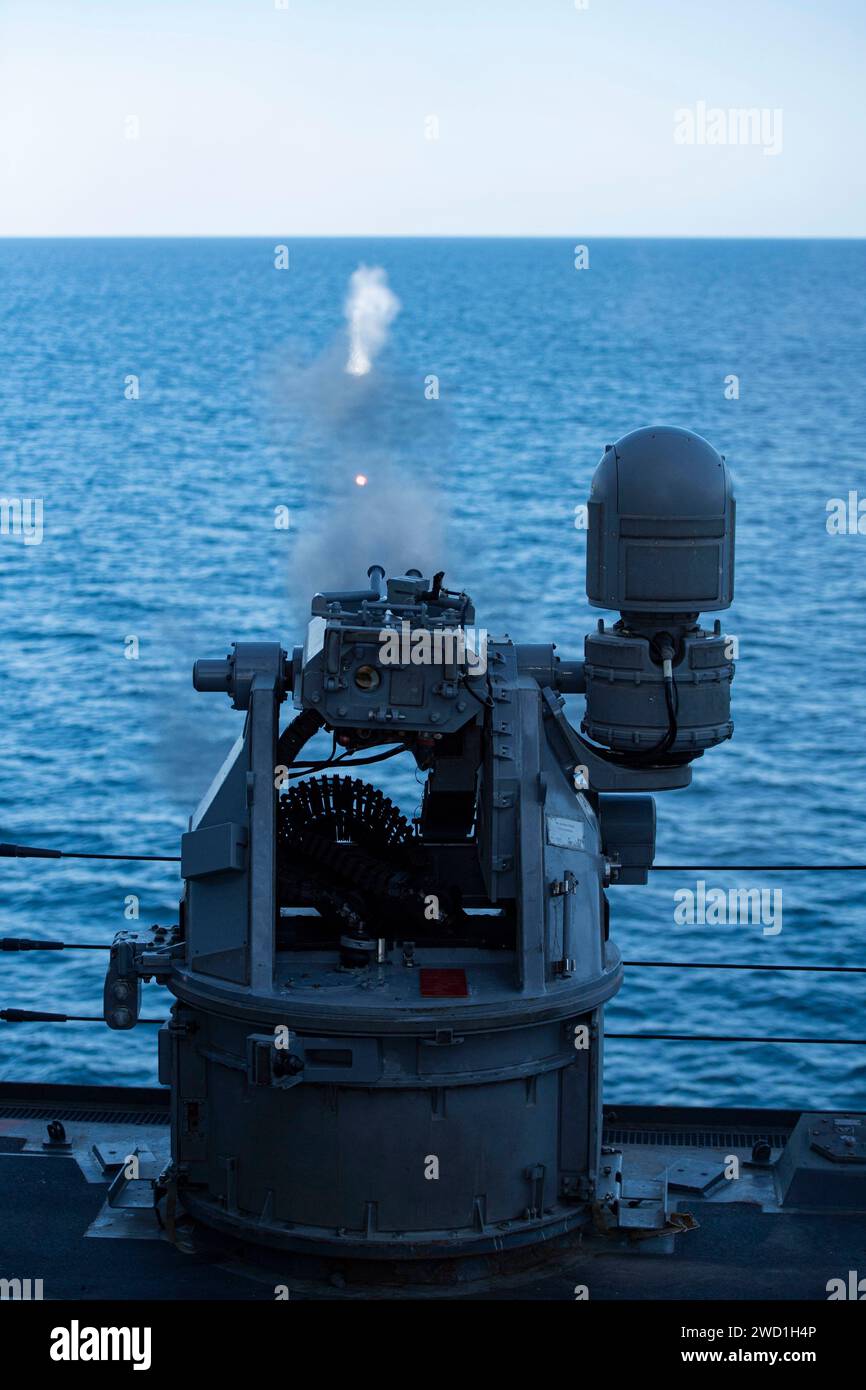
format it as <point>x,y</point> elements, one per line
<point>370,309</point>
<point>377,450</point>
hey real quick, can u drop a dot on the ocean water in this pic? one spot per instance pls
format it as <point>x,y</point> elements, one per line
<point>160,544</point>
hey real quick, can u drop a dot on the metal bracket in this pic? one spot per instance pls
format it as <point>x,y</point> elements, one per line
<point>134,1189</point>
<point>348,1061</point>
<point>136,956</point>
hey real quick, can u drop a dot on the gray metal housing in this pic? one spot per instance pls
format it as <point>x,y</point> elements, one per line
<point>329,1141</point>
<point>387,1039</point>
<point>661,525</point>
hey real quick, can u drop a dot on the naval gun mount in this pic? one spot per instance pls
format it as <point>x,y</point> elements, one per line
<point>387,1036</point>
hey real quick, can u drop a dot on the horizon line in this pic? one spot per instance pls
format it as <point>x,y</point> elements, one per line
<point>423,236</point>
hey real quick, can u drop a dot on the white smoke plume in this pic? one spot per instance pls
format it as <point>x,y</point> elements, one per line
<point>374,453</point>
<point>371,308</point>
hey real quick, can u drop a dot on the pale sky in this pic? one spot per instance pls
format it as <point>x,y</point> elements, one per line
<point>240,117</point>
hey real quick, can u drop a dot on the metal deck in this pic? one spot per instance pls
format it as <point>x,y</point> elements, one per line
<point>57,1225</point>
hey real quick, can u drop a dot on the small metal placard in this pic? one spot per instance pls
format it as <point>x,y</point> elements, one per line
<point>567,834</point>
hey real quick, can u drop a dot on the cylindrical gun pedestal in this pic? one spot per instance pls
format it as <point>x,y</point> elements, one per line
<point>371,1131</point>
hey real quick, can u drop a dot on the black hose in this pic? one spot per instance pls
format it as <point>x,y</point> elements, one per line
<point>296,734</point>
<point>642,756</point>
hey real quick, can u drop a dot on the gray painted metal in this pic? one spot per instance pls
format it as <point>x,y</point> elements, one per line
<point>661,525</point>
<point>824,1163</point>
<point>349,1074</point>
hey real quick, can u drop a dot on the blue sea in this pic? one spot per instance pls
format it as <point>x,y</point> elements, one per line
<point>175,403</point>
